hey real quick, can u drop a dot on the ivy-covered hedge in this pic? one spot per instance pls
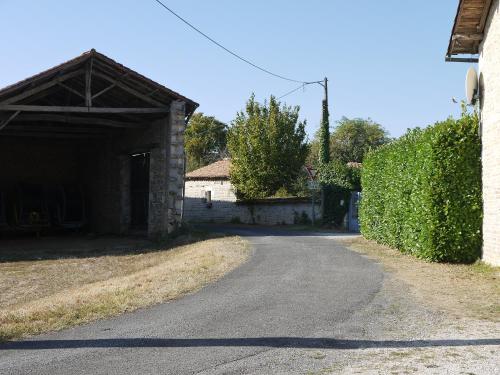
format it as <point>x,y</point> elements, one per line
<point>339,180</point>
<point>422,192</point>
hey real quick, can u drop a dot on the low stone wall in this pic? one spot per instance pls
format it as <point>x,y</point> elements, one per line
<point>225,207</point>
<point>266,211</point>
<point>278,211</point>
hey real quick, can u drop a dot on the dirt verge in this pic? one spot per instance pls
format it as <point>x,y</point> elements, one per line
<point>52,294</point>
<point>460,290</point>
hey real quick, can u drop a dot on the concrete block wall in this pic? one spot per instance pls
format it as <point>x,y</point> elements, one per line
<point>225,208</point>
<point>489,69</point>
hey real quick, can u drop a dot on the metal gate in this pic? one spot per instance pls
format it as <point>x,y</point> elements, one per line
<point>353,222</point>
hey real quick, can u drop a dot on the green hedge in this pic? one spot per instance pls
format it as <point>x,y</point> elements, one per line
<point>422,192</point>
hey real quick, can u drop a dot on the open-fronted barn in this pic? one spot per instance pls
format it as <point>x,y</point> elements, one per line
<point>91,143</point>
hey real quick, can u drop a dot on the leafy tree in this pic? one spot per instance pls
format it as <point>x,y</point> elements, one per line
<point>205,141</point>
<point>268,148</point>
<point>350,140</point>
<point>353,138</point>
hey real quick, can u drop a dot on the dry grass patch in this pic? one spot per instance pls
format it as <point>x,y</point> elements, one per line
<point>44,295</point>
<point>471,291</point>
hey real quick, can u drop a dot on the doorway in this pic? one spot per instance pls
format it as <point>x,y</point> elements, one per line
<point>139,190</point>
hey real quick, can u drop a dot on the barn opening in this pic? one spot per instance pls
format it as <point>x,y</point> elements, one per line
<point>91,145</point>
<point>139,190</point>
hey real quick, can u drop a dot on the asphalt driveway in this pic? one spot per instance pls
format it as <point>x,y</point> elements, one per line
<point>293,291</point>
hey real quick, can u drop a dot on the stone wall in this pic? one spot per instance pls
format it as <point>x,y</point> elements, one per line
<point>225,208</point>
<point>164,140</point>
<point>489,67</point>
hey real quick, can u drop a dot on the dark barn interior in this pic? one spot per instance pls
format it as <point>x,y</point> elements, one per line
<point>91,145</point>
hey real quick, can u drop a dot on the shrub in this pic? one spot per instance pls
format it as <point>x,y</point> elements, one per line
<point>422,192</point>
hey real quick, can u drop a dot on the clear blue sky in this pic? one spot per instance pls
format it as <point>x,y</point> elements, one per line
<point>384,59</point>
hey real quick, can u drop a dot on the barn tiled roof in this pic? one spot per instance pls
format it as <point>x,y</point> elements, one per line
<point>215,171</point>
<point>126,76</point>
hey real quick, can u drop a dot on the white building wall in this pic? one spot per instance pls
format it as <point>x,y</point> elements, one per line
<point>225,209</point>
<point>489,67</point>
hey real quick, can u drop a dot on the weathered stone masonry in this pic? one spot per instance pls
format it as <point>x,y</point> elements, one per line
<point>225,208</point>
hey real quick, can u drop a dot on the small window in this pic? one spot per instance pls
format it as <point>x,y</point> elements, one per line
<point>208,198</point>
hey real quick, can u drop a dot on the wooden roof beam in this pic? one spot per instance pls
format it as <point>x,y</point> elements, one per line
<point>50,135</point>
<point>474,37</point>
<point>484,16</point>
<point>78,120</point>
<point>72,90</point>
<point>130,90</point>
<point>88,82</point>
<point>59,129</point>
<point>27,93</point>
<point>71,109</point>
<point>114,84</point>
<point>9,119</point>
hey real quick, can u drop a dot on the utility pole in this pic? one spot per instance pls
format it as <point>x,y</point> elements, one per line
<point>324,155</point>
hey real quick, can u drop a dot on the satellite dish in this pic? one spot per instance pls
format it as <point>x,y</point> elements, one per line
<point>471,86</point>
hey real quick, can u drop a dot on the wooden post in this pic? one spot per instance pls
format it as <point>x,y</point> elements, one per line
<point>88,83</point>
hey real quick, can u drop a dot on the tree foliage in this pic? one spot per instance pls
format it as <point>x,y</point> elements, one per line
<point>268,148</point>
<point>205,141</point>
<point>350,140</point>
<point>353,138</point>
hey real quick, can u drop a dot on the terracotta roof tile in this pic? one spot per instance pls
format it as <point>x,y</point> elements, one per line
<point>154,86</point>
<point>215,171</point>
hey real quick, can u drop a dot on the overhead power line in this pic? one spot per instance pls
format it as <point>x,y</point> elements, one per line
<point>227,49</point>
<point>302,86</point>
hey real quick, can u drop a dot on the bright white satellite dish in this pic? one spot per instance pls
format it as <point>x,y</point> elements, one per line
<point>471,86</point>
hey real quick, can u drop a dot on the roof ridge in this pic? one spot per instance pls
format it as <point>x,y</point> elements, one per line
<point>82,58</point>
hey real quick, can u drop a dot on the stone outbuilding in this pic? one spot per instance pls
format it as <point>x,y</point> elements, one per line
<point>210,197</point>
<point>476,33</point>
<point>97,125</point>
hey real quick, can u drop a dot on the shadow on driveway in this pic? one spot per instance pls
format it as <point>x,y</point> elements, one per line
<point>263,230</point>
<point>273,342</point>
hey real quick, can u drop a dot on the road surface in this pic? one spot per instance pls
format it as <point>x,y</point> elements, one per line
<point>292,292</point>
